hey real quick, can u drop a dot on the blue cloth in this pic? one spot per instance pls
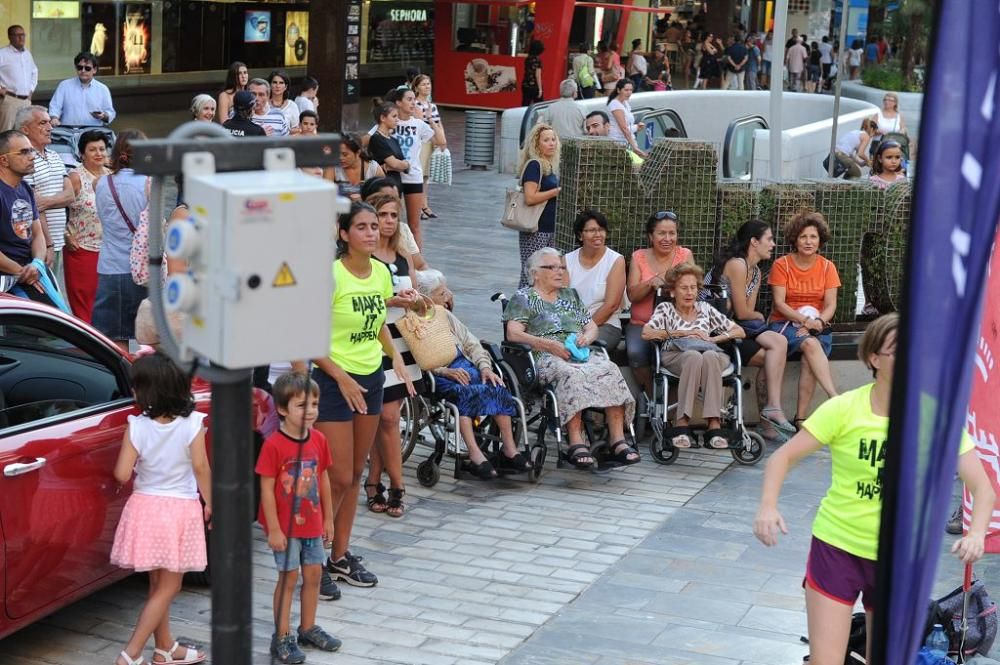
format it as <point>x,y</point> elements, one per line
<point>871,53</point>
<point>477,398</point>
<point>17,214</point>
<point>47,281</point>
<point>795,342</point>
<point>117,240</point>
<point>72,103</point>
<point>577,354</point>
<point>533,173</point>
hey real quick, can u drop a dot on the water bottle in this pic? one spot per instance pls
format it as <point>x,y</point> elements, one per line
<point>937,642</point>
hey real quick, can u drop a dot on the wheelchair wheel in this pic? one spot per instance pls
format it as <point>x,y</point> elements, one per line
<point>751,450</point>
<point>537,457</point>
<point>410,414</point>
<point>428,473</point>
<point>661,452</point>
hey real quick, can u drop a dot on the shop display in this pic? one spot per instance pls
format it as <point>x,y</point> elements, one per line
<point>296,38</point>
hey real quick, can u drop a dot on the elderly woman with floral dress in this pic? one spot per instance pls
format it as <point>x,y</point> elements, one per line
<point>549,317</point>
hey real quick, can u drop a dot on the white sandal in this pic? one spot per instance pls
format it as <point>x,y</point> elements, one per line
<point>128,659</point>
<point>191,656</point>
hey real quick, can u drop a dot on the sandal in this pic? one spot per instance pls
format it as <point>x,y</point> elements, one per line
<point>128,660</point>
<point>395,507</point>
<point>779,423</point>
<point>484,470</point>
<point>427,213</point>
<point>376,501</point>
<point>575,455</point>
<point>716,440</point>
<point>681,438</point>
<point>517,463</point>
<point>191,656</point>
<point>623,453</point>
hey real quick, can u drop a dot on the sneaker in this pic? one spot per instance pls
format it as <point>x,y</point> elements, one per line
<point>954,525</point>
<point>286,649</point>
<point>328,589</point>
<point>350,570</point>
<point>319,638</point>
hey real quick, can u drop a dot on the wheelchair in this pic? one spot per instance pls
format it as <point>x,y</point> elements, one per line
<point>431,413</point>
<point>746,446</point>
<point>541,405</point>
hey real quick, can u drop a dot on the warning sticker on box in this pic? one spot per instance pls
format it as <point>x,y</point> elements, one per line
<point>284,276</point>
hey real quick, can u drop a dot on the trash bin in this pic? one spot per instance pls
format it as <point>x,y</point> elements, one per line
<point>480,138</point>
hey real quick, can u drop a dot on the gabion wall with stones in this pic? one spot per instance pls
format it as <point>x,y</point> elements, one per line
<point>868,225</point>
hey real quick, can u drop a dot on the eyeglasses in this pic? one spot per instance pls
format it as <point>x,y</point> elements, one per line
<point>552,267</point>
<point>595,231</point>
<point>23,152</point>
<point>84,68</point>
<point>666,214</point>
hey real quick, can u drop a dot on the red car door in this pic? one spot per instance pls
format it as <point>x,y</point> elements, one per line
<point>64,403</point>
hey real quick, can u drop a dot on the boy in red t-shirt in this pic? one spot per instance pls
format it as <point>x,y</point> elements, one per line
<point>296,513</point>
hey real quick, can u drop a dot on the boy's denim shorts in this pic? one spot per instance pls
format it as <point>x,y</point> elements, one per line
<point>300,552</point>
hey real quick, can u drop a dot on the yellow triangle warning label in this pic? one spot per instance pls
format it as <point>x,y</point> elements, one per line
<point>284,276</point>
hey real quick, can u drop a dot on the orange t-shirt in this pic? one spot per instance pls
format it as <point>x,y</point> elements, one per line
<point>643,309</point>
<point>803,287</point>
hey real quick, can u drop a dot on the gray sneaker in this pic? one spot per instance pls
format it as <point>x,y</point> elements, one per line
<point>349,569</point>
<point>328,589</point>
<point>286,649</point>
<point>319,638</point>
<point>954,525</point>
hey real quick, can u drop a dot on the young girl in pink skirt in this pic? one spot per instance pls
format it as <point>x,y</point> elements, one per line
<point>162,528</point>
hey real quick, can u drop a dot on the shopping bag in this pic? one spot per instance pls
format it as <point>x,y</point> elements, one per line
<point>440,166</point>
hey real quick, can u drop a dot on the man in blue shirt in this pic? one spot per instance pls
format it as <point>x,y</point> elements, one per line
<point>82,101</point>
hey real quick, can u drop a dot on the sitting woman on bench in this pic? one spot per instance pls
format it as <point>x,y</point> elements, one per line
<point>690,331</point>
<point>597,272</point>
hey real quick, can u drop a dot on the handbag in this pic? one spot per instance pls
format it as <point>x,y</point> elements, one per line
<point>682,344</point>
<point>440,167</point>
<point>517,214</point>
<point>981,628</point>
<point>429,336</point>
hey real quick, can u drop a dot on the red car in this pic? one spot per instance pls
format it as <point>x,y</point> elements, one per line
<point>64,402</point>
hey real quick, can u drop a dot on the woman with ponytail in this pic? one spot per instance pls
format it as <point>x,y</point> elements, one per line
<point>738,268</point>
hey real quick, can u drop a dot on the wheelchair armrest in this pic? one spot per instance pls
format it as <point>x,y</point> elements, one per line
<point>517,347</point>
<point>493,349</point>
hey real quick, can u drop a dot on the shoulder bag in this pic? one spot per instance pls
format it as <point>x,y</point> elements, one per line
<point>517,214</point>
<point>429,336</point>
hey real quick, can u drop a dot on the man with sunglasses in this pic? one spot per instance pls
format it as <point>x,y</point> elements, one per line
<point>21,237</point>
<point>18,76</point>
<point>82,101</point>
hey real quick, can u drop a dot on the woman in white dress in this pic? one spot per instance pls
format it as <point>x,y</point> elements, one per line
<point>623,124</point>
<point>597,272</point>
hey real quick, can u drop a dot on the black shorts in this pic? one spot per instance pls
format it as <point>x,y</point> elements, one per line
<point>748,349</point>
<point>413,188</point>
<point>332,405</point>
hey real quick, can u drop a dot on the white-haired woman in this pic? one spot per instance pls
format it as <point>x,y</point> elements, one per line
<point>203,108</point>
<point>471,384</point>
<point>540,180</point>
<point>550,317</point>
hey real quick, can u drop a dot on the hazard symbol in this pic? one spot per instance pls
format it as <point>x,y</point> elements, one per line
<point>284,276</point>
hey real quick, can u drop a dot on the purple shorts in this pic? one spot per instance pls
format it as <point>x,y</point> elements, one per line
<point>840,575</point>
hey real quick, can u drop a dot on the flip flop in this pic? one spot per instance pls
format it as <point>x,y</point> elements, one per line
<point>782,425</point>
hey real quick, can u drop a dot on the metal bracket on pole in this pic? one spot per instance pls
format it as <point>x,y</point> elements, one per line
<point>777,86</point>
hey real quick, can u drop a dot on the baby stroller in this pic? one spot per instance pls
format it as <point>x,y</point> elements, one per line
<point>66,142</point>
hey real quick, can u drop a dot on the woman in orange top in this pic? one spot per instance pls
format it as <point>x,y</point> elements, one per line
<point>648,272</point>
<point>804,287</point>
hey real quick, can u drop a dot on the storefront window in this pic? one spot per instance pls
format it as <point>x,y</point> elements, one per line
<point>491,29</point>
<point>397,34</point>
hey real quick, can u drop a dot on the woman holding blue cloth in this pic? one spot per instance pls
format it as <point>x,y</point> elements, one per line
<point>543,316</point>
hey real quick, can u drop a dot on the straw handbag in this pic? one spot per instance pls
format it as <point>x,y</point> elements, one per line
<point>429,336</point>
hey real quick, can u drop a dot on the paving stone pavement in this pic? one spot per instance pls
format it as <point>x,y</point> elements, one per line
<point>643,565</point>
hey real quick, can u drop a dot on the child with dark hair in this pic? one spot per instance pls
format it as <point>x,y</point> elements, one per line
<point>162,527</point>
<point>297,513</point>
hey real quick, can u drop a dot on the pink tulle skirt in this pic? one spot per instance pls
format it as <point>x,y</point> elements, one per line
<point>160,532</point>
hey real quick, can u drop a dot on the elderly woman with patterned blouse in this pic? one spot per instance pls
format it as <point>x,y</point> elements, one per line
<point>690,331</point>
<point>550,318</point>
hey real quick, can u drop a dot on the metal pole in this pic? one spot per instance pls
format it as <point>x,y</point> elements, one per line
<point>777,83</point>
<point>836,86</point>
<point>231,538</point>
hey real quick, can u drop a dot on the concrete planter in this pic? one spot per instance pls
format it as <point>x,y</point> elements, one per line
<point>910,103</point>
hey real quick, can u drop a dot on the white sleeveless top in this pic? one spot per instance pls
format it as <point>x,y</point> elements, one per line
<point>591,283</point>
<point>164,465</point>
<point>887,125</point>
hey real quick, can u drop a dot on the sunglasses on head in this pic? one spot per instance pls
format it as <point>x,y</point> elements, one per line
<point>84,68</point>
<point>665,214</point>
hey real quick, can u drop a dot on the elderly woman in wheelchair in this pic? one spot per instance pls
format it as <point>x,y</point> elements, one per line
<point>474,387</point>
<point>550,318</point>
<point>690,332</point>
